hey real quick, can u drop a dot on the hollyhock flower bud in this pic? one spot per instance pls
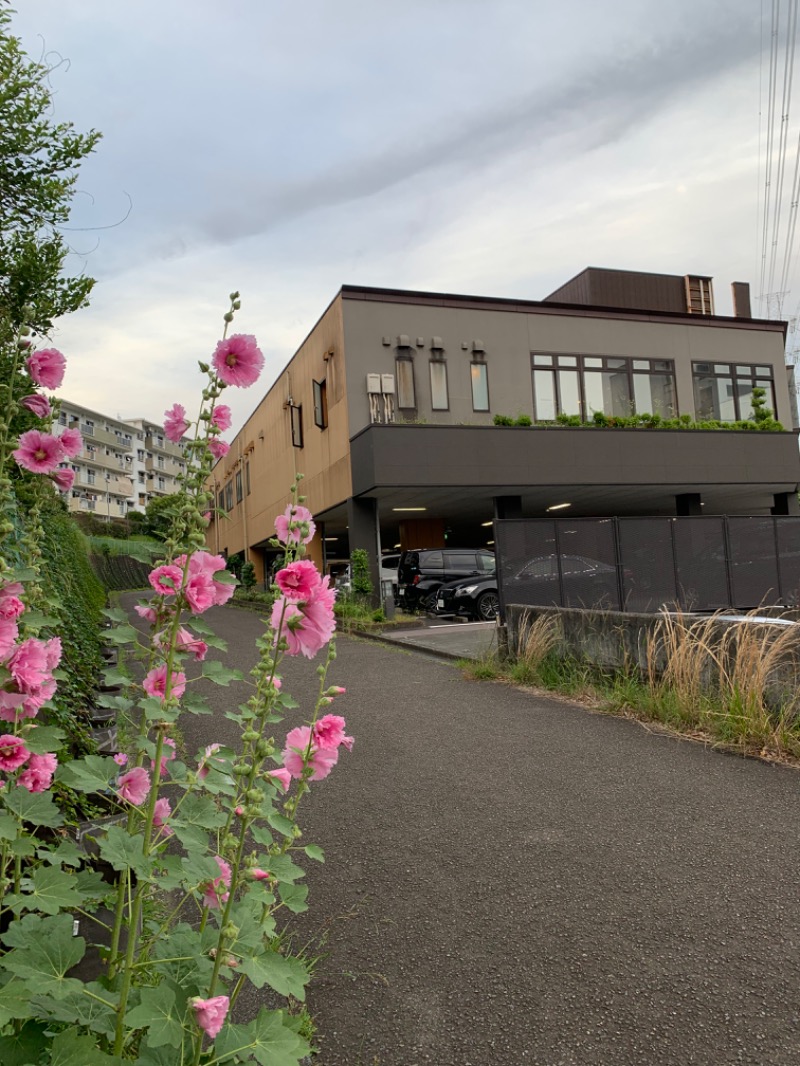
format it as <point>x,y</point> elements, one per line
<point>46,367</point>
<point>147,613</point>
<point>13,753</point>
<point>238,360</point>
<point>134,786</point>
<point>38,452</point>
<point>258,874</point>
<point>203,768</point>
<point>211,1013</point>
<point>72,442</point>
<point>37,403</point>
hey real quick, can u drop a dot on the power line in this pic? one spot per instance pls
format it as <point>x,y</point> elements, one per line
<point>768,158</point>
<point>788,73</point>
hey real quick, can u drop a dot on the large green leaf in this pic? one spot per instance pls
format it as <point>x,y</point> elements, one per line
<point>35,807</point>
<point>215,671</point>
<point>123,851</point>
<point>294,897</point>
<point>25,1047</point>
<point>115,614</point>
<point>50,890</point>
<point>8,827</point>
<point>44,738</point>
<point>123,634</point>
<point>92,774</point>
<point>83,1007</point>
<point>43,950</point>
<point>160,1015</point>
<point>201,810</point>
<point>286,975</point>
<point>267,1038</point>
<point>284,869</point>
<point>14,1001</point>
<point>71,1049</point>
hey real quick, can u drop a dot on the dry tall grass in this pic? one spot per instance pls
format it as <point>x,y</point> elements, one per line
<point>538,639</point>
<point>742,675</point>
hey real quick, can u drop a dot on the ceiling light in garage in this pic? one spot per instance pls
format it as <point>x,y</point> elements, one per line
<point>487,523</point>
<point>409,508</point>
<point>559,506</point>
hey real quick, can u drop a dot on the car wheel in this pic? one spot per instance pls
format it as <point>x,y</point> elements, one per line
<point>427,602</point>
<point>487,606</point>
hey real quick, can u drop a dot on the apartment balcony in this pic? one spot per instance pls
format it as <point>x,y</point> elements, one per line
<point>161,444</point>
<point>96,435</point>
<point>458,471</point>
<point>169,468</point>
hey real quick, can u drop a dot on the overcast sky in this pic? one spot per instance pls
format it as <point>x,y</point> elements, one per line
<point>490,147</point>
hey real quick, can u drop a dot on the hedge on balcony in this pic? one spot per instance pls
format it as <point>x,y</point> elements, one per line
<point>645,421</point>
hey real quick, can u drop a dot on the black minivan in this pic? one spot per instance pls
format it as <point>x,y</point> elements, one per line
<point>423,570</point>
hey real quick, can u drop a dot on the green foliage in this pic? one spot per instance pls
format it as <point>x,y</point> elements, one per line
<point>39,161</point>
<point>247,577</point>
<point>361,581</point>
<point>143,549</point>
<point>120,572</point>
<point>160,514</point>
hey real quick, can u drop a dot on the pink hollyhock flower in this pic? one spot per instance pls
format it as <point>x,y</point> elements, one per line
<point>11,607</point>
<point>203,768</point>
<point>155,683</point>
<point>38,774</point>
<point>161,813</point>
<point>239,811</point>
<point>13,753</point>
<point>258,874</point>
<point>121,759</point>
<point>221,418</point>
<point>175,424</point>
<point>295,525</point>
<point>348,742</point>
<point>40,405</point>
<point>188,642</point>
<point>72,442</point>
<point>211,1013</point>
<point>46,367</point>
<point>214,894</point>
<point>134,786</point>
<point>321,760</point>
<point>318,609</point>
<point>38,452</point>
<point>147,613</point>
<point>298,580</point>
<point>29,665</point>
<point>64,479</point>
<point>166,579</point>
<point>329,731</point>
<point>11,706</point>
<point>199,592</point>
<point>282,776</point>
<point>218,448</point>
<point>52,651</point>
<point>202,591</point>
<point>238,360</point>
<point>301,637</point>
<point>9,632</point>
<point>168,754</point>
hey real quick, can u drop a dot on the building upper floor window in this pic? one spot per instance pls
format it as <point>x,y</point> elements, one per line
<point>724,391</point>
<point>247,478</point>
<point>229,496</point>
<point>239,486</point>
<point>296,412</point>
<point>479,374</point>
<point>406,394</point>
<point>221,500</point>
<point>583,384</point>
<point>320,404</point>
<point>439,398</point>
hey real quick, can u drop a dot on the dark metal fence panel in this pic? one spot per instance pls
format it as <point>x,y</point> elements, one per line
<point>528,563</point>
<point>752,562</point>
<point>787,532</point>
<point>642,564</point>
<point>588,563</point>
<point>701,563</point>
<point>647,563</point>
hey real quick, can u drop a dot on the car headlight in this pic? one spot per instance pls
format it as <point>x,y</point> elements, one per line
<point>467,590</point>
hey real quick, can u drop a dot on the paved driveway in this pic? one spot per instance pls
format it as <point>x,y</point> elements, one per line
<point>514,880</point>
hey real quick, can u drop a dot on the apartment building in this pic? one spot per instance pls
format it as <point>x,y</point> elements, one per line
<point>124,463</point>
<point>388,410</point>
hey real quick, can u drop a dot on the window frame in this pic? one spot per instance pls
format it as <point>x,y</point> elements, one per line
<point>403,383</point>
<point>485,367</point>
<point>734,372</point>
<point>320,391</point>
<point>580,365</point>
<point>439,363</point>
<point>296,424</point>
<point>239,491</point>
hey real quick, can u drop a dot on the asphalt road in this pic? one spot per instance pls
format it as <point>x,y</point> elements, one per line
<point>516,880</point>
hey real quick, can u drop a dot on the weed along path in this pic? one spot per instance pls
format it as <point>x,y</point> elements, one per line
<point>512,879</point>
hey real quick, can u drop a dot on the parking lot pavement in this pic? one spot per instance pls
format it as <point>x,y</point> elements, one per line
<point>452,640</point>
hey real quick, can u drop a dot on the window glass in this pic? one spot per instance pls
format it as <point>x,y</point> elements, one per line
<point>654,394</point>
<point>641,364</point>
<point>247,478</point>
<point>320,404</point>
<point>607,391</point>
<point>590,361</point>
<point>569,389</point>
<point>439,401</point>
<point>480,386</point>
<point>763,372</point>
<point>229,496</point>
<point>567,360</point>
<point>238,486</point>
<point>487,563</point>
<point>544,394</point>
<point>433,559</point>
<point>461,560</point>
<point>406,396</point>
<point>542,360</point>
<point>713,397</point>
<point>297,425</point>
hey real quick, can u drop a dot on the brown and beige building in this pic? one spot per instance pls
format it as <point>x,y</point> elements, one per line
<point>388,409</point>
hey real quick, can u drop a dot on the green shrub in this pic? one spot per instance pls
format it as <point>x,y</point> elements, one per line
<point>248,576</point>
<point>361,581</point>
